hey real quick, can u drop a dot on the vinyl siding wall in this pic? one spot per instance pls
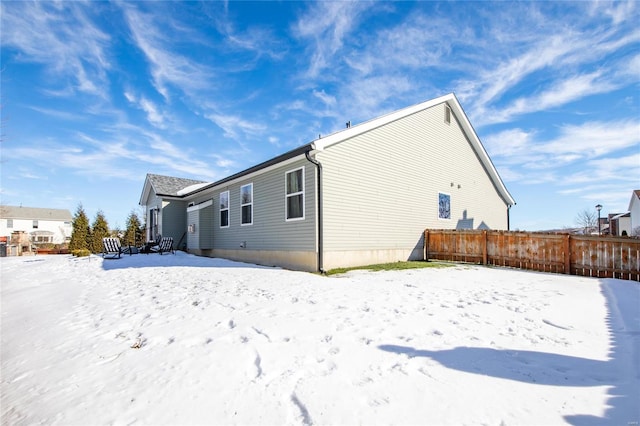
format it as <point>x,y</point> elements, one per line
<point>200,218</point>
<point>193,238</point>
<point>380,189</point>
<point>205,227</point>
<point>270,238</point>
<point>173,220</point>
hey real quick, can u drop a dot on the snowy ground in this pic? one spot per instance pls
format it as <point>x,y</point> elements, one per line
<point>178,339</point>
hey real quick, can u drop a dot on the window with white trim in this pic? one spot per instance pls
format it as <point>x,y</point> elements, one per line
<point>224,209</point>
<point>246,204</point>
<point>294,194</point>
<point>9,223</point>
<point>35,224</point>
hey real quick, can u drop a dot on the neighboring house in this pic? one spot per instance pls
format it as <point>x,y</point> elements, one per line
<point>41,224</point>
<point>166,211</point>
<point>360,196</point>
<point>620,224</point>
<point>634,211</point>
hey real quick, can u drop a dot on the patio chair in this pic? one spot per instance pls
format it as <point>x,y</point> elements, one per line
<point>165,246</point>
<point>111,248</point>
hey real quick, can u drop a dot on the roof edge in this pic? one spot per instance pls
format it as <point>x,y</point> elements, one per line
<point>273,161</point>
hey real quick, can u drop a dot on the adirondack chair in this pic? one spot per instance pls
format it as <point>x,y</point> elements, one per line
<point>165,246</point>
<point>111,248</point>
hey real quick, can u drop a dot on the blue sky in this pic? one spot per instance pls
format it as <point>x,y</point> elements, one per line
<point>97,94</point>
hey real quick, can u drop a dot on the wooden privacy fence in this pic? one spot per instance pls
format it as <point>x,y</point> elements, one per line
<point>593,256</point>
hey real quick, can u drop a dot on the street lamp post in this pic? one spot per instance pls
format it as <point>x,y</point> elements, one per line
<point>598,207</point>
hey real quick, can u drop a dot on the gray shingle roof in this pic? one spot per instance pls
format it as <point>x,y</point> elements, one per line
<point>168,185</point>
<point>34,213</point>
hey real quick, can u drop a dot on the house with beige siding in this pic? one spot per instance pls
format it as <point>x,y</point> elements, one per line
<point>359,196</point>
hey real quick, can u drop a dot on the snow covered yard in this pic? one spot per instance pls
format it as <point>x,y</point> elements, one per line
<point>179,339</point>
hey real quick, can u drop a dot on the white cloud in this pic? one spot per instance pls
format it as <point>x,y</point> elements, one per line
<point>491,84</point>
<point>62,115</point>
<point>273,140</point>
<point>62,37</point>
<point>619,11</point>
<point>224,162</point>
<point>580,156</point>
<point>235,126</point>
<point>593,139</point>
<point>619,171</point>
<point>630,68</point>
<point>168,67</point>
<point>418,43</point>
<point>259,40</point>
<point>113,157</point>
<point>564,60</point>
<point>561,93</point>
<point>508,143</point>
<point>154,115</point>
<point>574,142</point>
<point>130,97</point>
<point>509,174</point>
<point>328,100</point>
<point>366,97</point>
<point>327,24</point>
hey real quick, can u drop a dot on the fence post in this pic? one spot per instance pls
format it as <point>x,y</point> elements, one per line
<point>426,245</point>
<point>567,254</point>
<point>484,247</point>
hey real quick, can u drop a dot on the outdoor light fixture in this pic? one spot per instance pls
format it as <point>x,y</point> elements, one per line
<point>598,207</point>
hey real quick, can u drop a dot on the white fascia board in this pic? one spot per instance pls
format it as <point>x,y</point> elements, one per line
<point>146,189</point>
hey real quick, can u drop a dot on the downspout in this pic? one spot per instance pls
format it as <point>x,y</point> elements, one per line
<point>508,218</point>
<point>319,203</point>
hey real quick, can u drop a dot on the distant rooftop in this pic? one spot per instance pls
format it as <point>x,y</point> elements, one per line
<point>34,213</point>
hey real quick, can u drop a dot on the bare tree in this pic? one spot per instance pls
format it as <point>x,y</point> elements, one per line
<point>588,220</point>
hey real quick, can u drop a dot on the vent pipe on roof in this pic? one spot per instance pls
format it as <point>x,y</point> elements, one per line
<point>348,124</point>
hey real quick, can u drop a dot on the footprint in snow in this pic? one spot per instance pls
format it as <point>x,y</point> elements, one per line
<point>257,367</point>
